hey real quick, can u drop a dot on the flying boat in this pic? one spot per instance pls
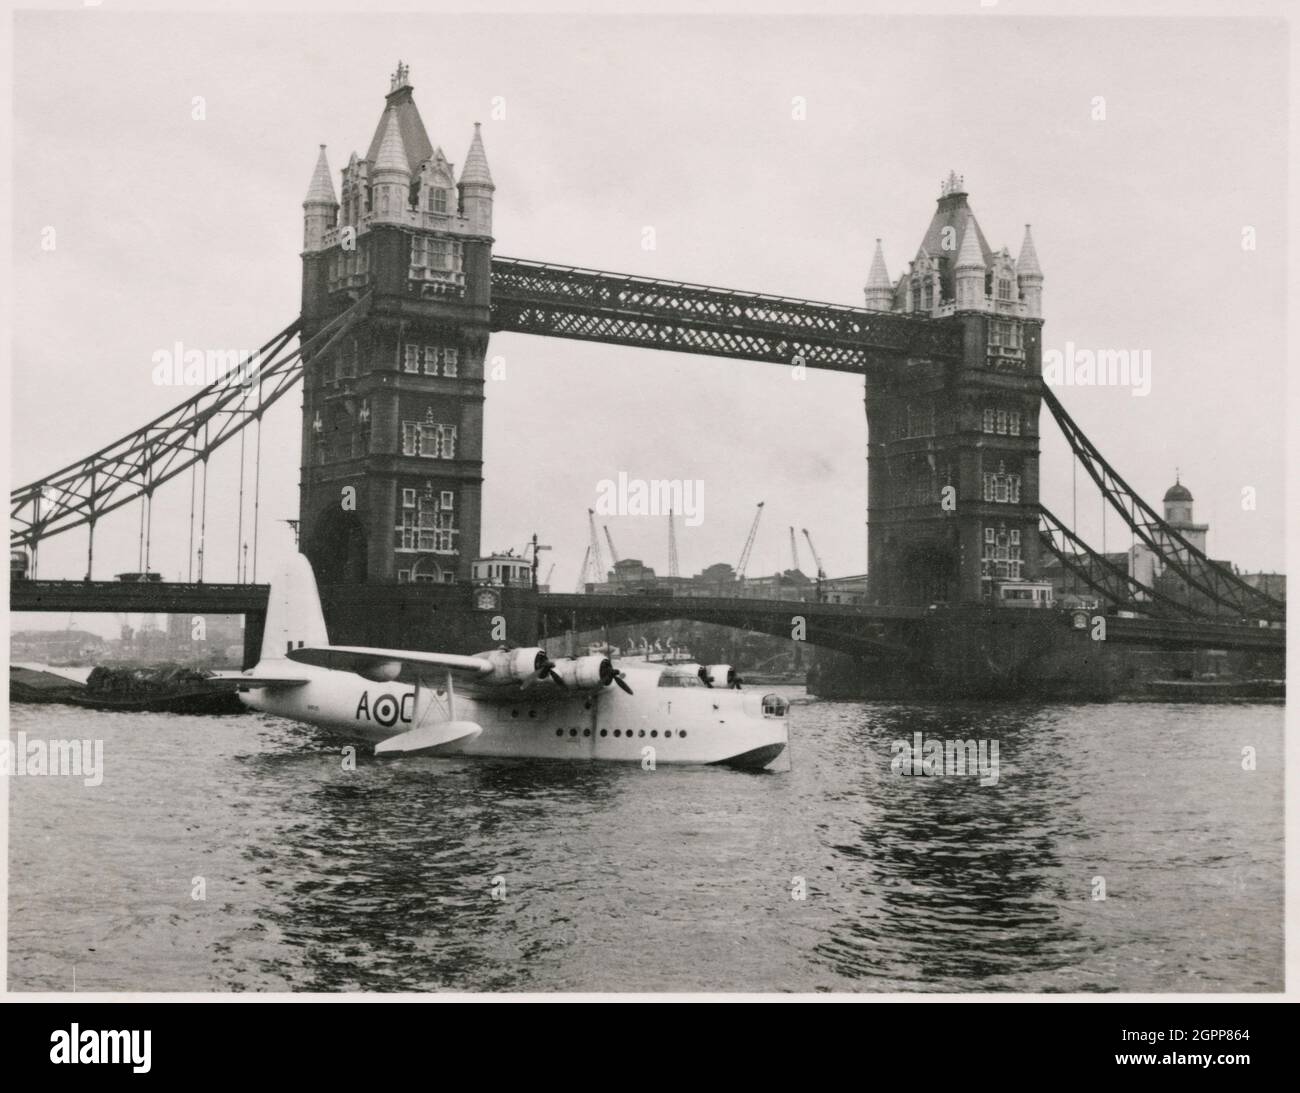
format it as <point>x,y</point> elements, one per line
<point>505,702</point>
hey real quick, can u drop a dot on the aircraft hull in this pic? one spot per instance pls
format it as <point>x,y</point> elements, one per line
<point>694,725</point>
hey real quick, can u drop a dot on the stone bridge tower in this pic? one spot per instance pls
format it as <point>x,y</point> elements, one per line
<point>953,446</point>
<point>392,439</point>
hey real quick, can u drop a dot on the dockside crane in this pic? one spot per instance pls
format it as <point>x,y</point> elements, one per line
<point>749,544</point>
<point>582,573</point>
<point>596,558</point>
<point>672,547</point>
<point>613,554</point>
<point>821,570</point>
<point>794,550</point>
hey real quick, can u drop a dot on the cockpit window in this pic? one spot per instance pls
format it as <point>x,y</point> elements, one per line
<point>671,678</point>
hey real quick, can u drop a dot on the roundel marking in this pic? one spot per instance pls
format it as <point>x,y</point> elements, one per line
<point>385,710</point>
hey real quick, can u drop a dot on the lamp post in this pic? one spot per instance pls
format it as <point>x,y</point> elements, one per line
<point>536,548</point>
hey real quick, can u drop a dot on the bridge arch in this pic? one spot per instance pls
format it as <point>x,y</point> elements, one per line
<point>337,547</point>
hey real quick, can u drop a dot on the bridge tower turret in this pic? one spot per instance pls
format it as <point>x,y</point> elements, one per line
<point>879,292</point>
<point>476,186</point>
<point>392,441</point>
<point>1030,277</point>
<point>953,444</point>
<point>319,208</point>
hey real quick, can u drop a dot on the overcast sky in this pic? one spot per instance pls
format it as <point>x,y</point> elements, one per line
<point>174,229</point>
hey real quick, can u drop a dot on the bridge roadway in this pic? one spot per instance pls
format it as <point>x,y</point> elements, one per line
<point>857,629</point>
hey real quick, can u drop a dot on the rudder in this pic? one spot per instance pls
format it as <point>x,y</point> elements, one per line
<point>293,613</point>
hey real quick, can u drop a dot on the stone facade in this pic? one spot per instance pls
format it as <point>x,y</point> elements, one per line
<point>953,445</point>
<point>392,440</point>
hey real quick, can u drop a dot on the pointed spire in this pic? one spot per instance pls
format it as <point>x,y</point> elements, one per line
<point>879,275</point>
<point>970,256</point>
<point>879,293</point>
<point>321,190</point>
<point>392,152</point>
<point>475,172</point>
<point>1027,263</point>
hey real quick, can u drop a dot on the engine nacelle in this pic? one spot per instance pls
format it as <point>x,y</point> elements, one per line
<point>381,671</point>
<point>586,673</point>
<point>718,675</point>
<point>515,665</point>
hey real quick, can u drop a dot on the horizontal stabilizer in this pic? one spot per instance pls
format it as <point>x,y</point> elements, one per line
<point>402,665</point>
<point>257,682</point>
<point>427,737</point>
<point>251,683</point>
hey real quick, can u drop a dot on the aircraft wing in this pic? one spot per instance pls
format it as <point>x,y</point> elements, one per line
<point>403,665</point>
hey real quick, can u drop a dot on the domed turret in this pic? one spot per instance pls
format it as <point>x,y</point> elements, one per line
<point>1178,504</point>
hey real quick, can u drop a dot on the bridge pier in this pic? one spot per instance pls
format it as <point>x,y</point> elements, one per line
<point>980,653</point>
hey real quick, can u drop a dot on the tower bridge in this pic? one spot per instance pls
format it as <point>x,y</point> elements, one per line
<point>400,296</point>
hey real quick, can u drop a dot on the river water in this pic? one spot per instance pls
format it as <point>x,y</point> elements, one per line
<point>451,874</point>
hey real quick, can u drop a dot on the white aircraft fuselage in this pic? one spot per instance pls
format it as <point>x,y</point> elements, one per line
<point>504,702</point>
<point>671,724</point>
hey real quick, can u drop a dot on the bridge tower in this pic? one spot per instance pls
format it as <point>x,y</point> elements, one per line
<point>392,439</point>
<point>952,472</point>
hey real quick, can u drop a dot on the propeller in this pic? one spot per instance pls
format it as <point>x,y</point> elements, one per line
<point>545,668</point>
<point>622,683</point>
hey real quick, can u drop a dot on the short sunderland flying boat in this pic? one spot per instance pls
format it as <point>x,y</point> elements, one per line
<point>505,702</point>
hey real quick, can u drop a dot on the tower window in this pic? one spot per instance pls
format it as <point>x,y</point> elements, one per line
<point>412,358</point>
<point>437,200</point>
<point>1003,333</point>
<point>429,439</point>
<point>1002,488</point>
<point>435,255</point>
<point>1001,558</point>
<point>1002,422</point>
<point>408,499</point>
<point>428,529</point>
<point>348,359</point>
<point>447,500</point>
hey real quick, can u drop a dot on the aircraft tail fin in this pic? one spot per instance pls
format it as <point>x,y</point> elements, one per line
<point>293,616</point>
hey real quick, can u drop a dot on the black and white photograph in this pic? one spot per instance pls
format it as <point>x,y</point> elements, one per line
<point>408,408</point>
